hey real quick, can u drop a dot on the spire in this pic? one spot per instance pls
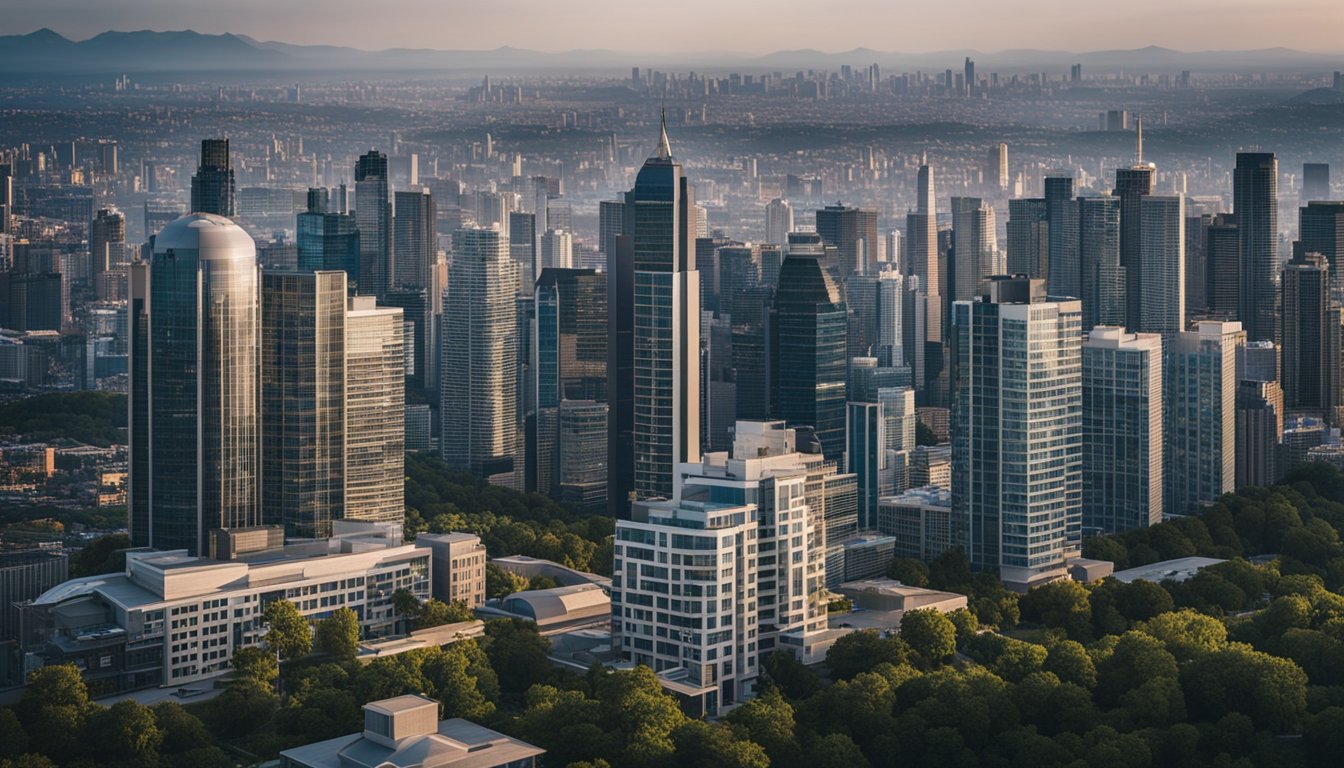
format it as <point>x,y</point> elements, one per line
<point>664,146</point>
<point>1140,140</point>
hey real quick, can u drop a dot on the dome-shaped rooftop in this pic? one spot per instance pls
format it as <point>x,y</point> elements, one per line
<point>213,236</point>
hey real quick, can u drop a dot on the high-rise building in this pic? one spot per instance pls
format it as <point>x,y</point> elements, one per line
<point>557,250</point>
<point>975,251</point>
<point>414,242</point>
<point>610,224</point>
<point>1199,415</point>
<point>654,343</point>
<point>926,309</point>
<point>890,319</point>
<point>778,221</point>
<point>373,217</point>
<point>303,413</point>
<point>1131,186</point>
<point>1311,338</point>
<point>417,314</point>
<point>479,390</point>
<point>212,187</point>
<point>1162,263</point>
<point>194,409</point>
<point>1017,442</point>
<point>1196,263</point>
<point>582,472</point>
<point>108,255</point>
<point>1063,275</point>
<point>996,168</point>
<point>853,233</point>
<point>1321,230</point>
<point>1028,238</point>
<point>375,417</point>
<point>1103,279</point>
<point>1259,432</point>
<point>1122,430</point>
<point>327,240</point>
<point>810,347</point>
<point>1315,182</point>
<point>523,243</point>
<point>1222,268</point>
<point>1255,200</point>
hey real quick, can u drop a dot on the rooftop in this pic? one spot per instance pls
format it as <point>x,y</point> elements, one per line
<point>1180,569</point>
<point>458,743</point>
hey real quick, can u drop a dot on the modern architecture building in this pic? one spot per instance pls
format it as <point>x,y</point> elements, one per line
<point>375,419</point>
<point>1162,264</point>
<point>778,221</point>
<point>1028,237</point>
<point>212,187</point>
<point>373,218</point>
<point>414,240</point>
<point>1199,415</point>
<point>975,250</point>
<point>1255,201</point>
<point>922,523</point>
<point>1063,275</point>
<point>1311,338</point>
<point>1259,430</point>
<point>1122,430</point>
<point>809,342</point>
<point>1131,186</point>
<point>1102,278</point>
<point>1315,182</point>
<point>853,233</point>
<point>327,240</point>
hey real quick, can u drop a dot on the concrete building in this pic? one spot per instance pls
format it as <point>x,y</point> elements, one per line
<point>405,732</point>
<point>1122,430</point>
<point>458,567</point>
<point>921,522</point>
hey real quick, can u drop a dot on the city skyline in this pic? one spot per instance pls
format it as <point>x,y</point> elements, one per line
<point>984,26</point>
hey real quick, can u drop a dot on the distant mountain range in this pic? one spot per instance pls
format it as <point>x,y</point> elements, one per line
<point>47,52</point>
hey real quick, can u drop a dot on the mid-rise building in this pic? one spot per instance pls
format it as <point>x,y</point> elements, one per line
<point>458,567</point>
<point>921,522</point>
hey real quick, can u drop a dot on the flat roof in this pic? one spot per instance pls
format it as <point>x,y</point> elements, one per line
<point>1180,569</point>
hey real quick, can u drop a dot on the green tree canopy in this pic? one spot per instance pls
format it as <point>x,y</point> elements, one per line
<point>287,631</point>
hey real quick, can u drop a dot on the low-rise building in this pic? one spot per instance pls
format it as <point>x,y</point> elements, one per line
<point>921,522</point>
<point>406,732</point>
<point>459,567</point>
<point>554,610</point>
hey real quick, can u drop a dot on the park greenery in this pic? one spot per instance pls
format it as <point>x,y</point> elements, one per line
<point>1242,665</point>
<point>93,418</point>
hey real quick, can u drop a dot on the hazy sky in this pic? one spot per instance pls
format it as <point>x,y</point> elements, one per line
<point>749,26</point>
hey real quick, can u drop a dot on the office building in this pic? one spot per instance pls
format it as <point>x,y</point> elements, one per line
<point>778,221</point>
<point>1315,182</point>
<point>375,418</point>
<point>373,218</point>
<point>1321,230</point>
<point>417,313</point>
<point>1122,430</point>
<point>212,187</point>
<point>24,575</point>
<point>610,224</point>
<point>405,732</point>
<point>523,242</point>
<point>1199,415</point>
<point>1028,238</point>
<point>194,409</point>
<point>1017,439</point>
<point>418,432</point>
<point>1255,200</point>
<point>653,301</point>
<point>478,404</point>
<point>171,618</point>
<point>1162,264</point>
<point>1063,272</point>
<point>975,251</point>
<point>1222,268</point>
<point>582,455</point>
<point>922,523</point>
<point>303,394</point>
<point>810,348</point>
<point>457,567</point>
<point>107,250</point>
<point>1259,432</point>
<point>1103,279</point>
<point>853,233</point>
<point>327,240</point>
<point>1131,186</point>
<point>996,168</point>
<point>557,249</point>
<point>1311,338</point>
<point>414,242</point>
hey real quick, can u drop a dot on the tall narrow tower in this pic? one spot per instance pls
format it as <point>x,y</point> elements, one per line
<point>212,188</point>
<point>373,216</point>
<point>1255,195</point>
<point>654,332</point>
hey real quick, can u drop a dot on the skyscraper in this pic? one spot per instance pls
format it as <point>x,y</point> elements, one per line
<point>1315,182</point>
<point>303,401</point>
<point>107,251</point>
<point>523,243</point>
<point>194,351</point>
<point>373,216</point>
<point>1321,230</point>
<point>1017,442</point>
<point>1259,432</point>
<point>1255,200</point>
<point>926,311</point>
<point>1028,238</point>
<point>1131,186</point>
<point>478,403</point>
<point>975,254</point>
<point>1122,430</point>
<point>1222,268</point>
<point>654,310</point>
<point>810,347</point>
<point>327,240</point>
<point>1103,279</point>
<point>1162,264</point>
<point>778,221</point>
<point>996,168</point>
<point>212,188</point>
<point>1311,338</point>
<point>1063,276</point>
<point>853,233</point>
<point>414,242</point>
<point>1199,415</point>
<point>375,415</point>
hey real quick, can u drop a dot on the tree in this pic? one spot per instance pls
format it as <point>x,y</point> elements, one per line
<point>768,720</point>
<point>257,664</point>
<point>436,613</point>
<point>1018,659</point>
<point>1068,660</point>
<point>541,582</point>
<point>338,634</point>
<point>835,750</point>
<point>287,631</point>
<point>405,603</point>
<point>127,733</point>
<point>106,554</point>
<point>54,710</point>
<point>931,634</point>
<point>908,570</point>
<point>924,435</point>
<point>794,679</point>
<point>861,651</point>
<point>705,745</point>
<point>1271,691</point>
<point>950,571</point>
<point>448,671</point>
<point>242,708</point>
<point>182,731</point>
<point>1186,633</point>
<point>1137,658</point>
<point>501,583</point>
<point>1062,604</point>
<point>30,760</point>
<point>518,653</point>
<point>13,741</point>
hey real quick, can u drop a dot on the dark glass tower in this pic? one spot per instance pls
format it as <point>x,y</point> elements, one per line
<point>1255,195</point>
<point>1028,238</point>
<point>373,215</point>
<point>414,244</point>
<point>1103,279</point>
<point>327,241</point>
<point>195,344</point>
<point>853,233</point>
<point>811,328</point>
<point>1321,230</point>
<point>212,188</point>
<point>1064,270</point>
<point>1131,186</point>
<point>1311,337</point>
